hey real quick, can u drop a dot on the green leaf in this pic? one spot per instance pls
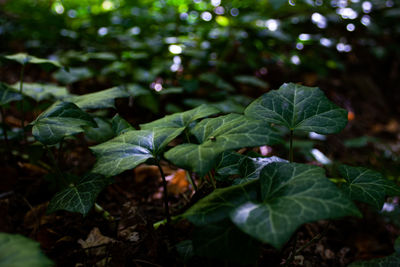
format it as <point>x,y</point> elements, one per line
<point>250,168</point>
<point>389,261</point>
<point>228,164</point>
<point>367,186</point>
<point>79,197</point>
<point>226,242</point>
<point>299,107</point>
<point>101,133</point>
<point>24,59</point>
<point>291,194</point>
<point>101,99</point>
<point>130,149</point>
<point>217,135</point>
<point>72,75</point>
<point>8,94</point>
<point>217,206</point>
<point>181,120</point>
<point>41,92</point>
<point>59,120</point>
<point>185,250</point>
<point>19,251</point>
<point>251,80</point>
<point>120,125</point>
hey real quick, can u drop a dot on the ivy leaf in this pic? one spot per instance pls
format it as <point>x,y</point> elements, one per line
<point>299,107</point>
<point>367,186</point>
<point>23,59</point>
<point>59,120</point>
<point>251,80</point>
<point>101,99</point>
<point>130,149</point>
<point>8,94</point>
<point>79,197</point>
<point>220,241</point>
<point>217,135</point>
<point>228,164</point>
<point>183,119</point>
<point>72,75</point>
<point>120,125</point>
<point>19,251</point>
<point>291,194</point>
<point>217,206</point>
<point>41,92</point>
<point>250,168</point>
<point>101,133</point>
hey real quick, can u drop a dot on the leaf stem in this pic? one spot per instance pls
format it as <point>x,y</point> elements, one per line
<point>212,180</point>
<point>106,215</point>
<point>21,87</point>
<point>3,122</point>
<point>291,146</point>
<point>165,193</point>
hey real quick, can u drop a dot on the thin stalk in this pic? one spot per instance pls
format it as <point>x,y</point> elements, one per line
<point>189,174</point>
<point>3,120</point>
<point>165,193</point>
<point>106,215</point>
<point>21,87</point>
<point>212,180</point>
<point>291,146</point>
<point>56,166</point>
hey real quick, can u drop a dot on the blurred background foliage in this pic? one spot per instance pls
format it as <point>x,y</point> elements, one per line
<point>217,51</point>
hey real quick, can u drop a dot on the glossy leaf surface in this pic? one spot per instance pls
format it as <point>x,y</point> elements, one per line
<point>101,99</point>
<point>291,194</point>
<point>8,94</point>
<point>130,149</point>
<point>217,135</point>
<point>183,119</point>
<point>60,120</point>
<point>24,59</point>
<point>101,133</point>
<point>367,186</point>
<point>19,251</point>
<point>41,92</point>
<point>299,107</point>
<point>79,197</point>
<point>120,125</point>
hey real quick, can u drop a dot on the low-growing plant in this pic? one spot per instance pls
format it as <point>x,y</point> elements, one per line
<point>267,198</point>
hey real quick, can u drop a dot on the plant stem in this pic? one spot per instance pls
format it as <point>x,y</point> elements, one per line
<point>212,180</point>
<point>106,215</point>
<point>165,193</point>
<point>291,146</point>
<point>54,161</point>
<point>188,174</point>
<point>21,87</point>
<point>3,122</point>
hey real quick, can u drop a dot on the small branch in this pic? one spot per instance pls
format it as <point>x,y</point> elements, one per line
<point>165,193</point>
<point>21,86</point>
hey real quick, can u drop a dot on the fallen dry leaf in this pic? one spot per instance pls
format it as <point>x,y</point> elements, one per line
<point>96,242</point>
<point>177,182</point>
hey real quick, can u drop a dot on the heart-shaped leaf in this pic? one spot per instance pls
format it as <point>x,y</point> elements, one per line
<point>24,59</point>
<point>367,186</point>
<point>225,241</point>
<point>101,133</point>
<point>228,164</point>
<point>291,194</point>
<point>130,149</point>
<point>41,92</point>
<point>8,94</point>
<point>120,125</point>
<point>101,99</point>
<point>217,206</point>
<point>60,120</point>
<point>19,251</point>
<point>217,135</point>
<point>250,168</point>
<point>299,107</point>
<point>79,197</point>
<point>183,119</point>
